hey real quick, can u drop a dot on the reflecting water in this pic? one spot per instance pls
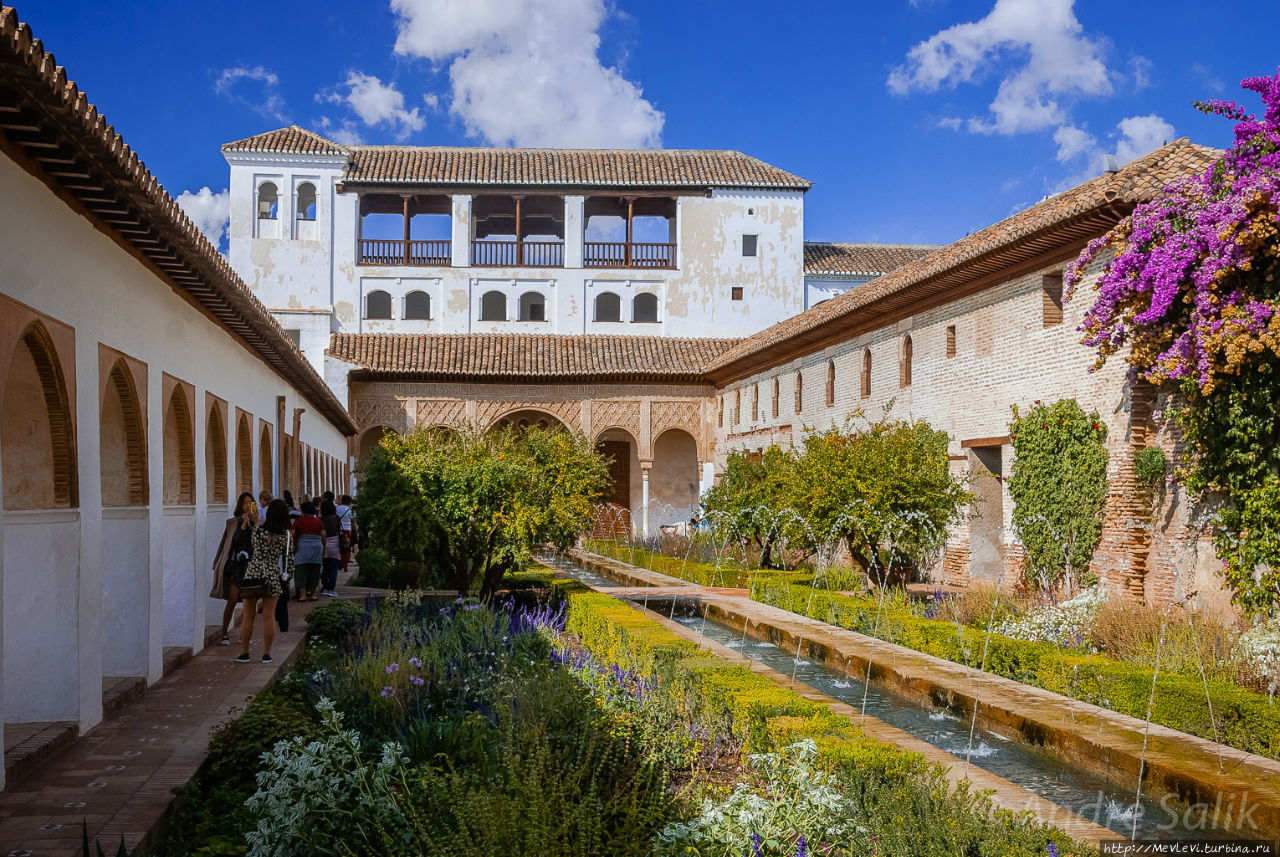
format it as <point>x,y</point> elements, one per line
<point>588,577</point>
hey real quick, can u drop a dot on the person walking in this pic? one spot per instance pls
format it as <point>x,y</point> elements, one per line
<point>231,559</point>
<point>271,560</point>
<point>347,521</point>
<point>264,500</point>
<point>308,536</point>
<point>332,560</point>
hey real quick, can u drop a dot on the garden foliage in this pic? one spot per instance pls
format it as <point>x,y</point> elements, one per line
<point>1058,486</point>
<point>1192,291</point>
<point>471,505</point>
<point>750,502</point>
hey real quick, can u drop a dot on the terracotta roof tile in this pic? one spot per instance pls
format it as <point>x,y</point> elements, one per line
<point>460,165</point>
<point>523,355</point>
<point>846,259</point>
<point>1059,220</point>
<point>292,139</point>
<point>91,162</point>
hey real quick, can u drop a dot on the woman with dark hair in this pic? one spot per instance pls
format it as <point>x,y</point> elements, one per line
<point>332,546</point>
<point>270,567</point>
<point>231,559</point>
<point>308,552</point>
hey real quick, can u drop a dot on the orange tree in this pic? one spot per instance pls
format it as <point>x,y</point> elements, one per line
<point>884,488</point>
<point>472,505</point>
<point>750,503</point>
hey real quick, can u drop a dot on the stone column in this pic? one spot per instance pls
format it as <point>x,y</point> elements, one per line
<point>645,467</point>
<point>461,246</point>
<point>573,231</point>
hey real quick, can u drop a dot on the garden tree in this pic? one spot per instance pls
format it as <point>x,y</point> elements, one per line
<point>1059,485</point>
<point>1193,291</point>
<point>751,502</point>
<point>884,488</point>
<point>472,505</point>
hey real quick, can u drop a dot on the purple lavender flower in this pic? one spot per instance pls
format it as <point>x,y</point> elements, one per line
<point>757,843</point>
<point>415,680</point>
<point>388,691</point>
<point>416,662</point>
<point>803,850</point>
<point>392,668</point>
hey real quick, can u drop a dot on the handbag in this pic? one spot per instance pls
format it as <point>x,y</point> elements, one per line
<point>251,591</point>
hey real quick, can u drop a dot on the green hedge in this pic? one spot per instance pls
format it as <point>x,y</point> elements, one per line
<point>1246,720</point>
<point>701,573</point>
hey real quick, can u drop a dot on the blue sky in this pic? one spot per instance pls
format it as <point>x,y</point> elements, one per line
<point>916,120</point>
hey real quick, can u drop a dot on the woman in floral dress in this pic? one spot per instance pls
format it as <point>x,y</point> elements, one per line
<point>270,565</point>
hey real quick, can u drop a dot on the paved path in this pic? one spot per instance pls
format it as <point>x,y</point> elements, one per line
<point>119,776</point>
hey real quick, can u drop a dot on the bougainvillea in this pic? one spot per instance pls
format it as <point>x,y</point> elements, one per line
<point>1192,290</point>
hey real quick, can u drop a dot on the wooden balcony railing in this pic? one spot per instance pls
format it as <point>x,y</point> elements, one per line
<point>381,251</point>
<point>620,254</point>
<point>517,254</point>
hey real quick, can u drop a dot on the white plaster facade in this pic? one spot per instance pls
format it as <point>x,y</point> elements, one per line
<point>95,585</point>
<point>309,273</point>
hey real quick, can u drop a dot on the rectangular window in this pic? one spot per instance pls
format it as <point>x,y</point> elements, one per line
<point>1051,290</point>
<point>951,341</point>
<point>294,334</point>
<point>736,293</point>
<point>749,245</point>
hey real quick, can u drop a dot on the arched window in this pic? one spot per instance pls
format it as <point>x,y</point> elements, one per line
<point>645,308</point>
<point>417,305</point>
<point>608,307</point>
<point>179,455</point>
<point>215,458</point>
<point>123,442</point>
<point>377,304</point>
<point>306,201</point>
<point>720,414</point>
<point>799,393</point>
<point>737,407</point>
<point>866,373</point>
<point>904,368</point>
<point>493,307</point>
<point>533,307</point>
<point>38,453</point>
<point>755,402</point>
<point>831,383</point>
<point>775,397</point>
<point>951,341</point>
<point>244,456</point>
<point>268,201</point>
<point>264,459</point>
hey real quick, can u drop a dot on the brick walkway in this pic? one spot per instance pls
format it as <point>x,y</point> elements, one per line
<point>119,777</point>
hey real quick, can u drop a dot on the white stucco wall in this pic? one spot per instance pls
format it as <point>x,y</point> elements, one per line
<point>63,629</point>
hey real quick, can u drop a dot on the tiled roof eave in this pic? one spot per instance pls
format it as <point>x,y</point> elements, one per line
<point>368,374</point>
<point>67,143</point>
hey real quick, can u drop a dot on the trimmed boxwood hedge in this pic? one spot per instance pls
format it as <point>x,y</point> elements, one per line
<point>1244,719</point>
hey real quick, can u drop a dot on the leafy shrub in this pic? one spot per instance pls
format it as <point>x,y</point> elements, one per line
<point>1058,486</point>
<point>1067,624</point>
<point>236,747</point>
<point>1258,651</point>
<point>406,574</point>
<point>1149,464</point>
<point>336,620</point>
<point>375,567</point>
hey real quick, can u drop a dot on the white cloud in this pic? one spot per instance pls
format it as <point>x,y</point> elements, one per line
<point>378,103</point>
<point>1140,71</point>
<point>528,72</point>
<point>1072,141</point>
<point>1052,60</point>
<point>1207,78</point>
<point>256,87</point>
<point>1140,135</point>
<point>209,211</point>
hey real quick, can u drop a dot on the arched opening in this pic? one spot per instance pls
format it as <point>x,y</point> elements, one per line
<point>38,455</point>
<point>377,305</point>
<point>866,373</point>
<point>417,305</point>
<point>244,455</point>
<point>265,461</point>
<point>533,307</point>
<point>370,440</point>
<point>608,307</point>
<point>831,383</point>
<point>123,441</point>
<point>904,371</point>
<point>528,418</point>
<point>215,458</point>
<point>268,201</point>
<point>799,393</point>
<point>306,208</point>
<point>673,481</point>
<point>179,452</point>
<point>493,307</point>
<point>737,407</point>
<point>644,308</point>
<point>775,398</point>
<point>623,491</point>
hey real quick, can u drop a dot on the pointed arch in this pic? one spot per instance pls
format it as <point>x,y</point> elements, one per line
<point>799,392</point>
<point>39,450</point>
<point>866,373</point>
<point>244,454</point>
<point>179,451</point>
<point>904,366</point>
<point>831,383</point>
<point>265,460</point>
<point>122,440</point>
<point>215,457</point>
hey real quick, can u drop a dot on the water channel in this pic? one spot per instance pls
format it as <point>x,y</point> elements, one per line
<point>1086,794</point>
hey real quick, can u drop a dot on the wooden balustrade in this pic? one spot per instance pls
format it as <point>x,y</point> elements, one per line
<point>517,254</point>
<point>620,254</point>
<point>383,251</point>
